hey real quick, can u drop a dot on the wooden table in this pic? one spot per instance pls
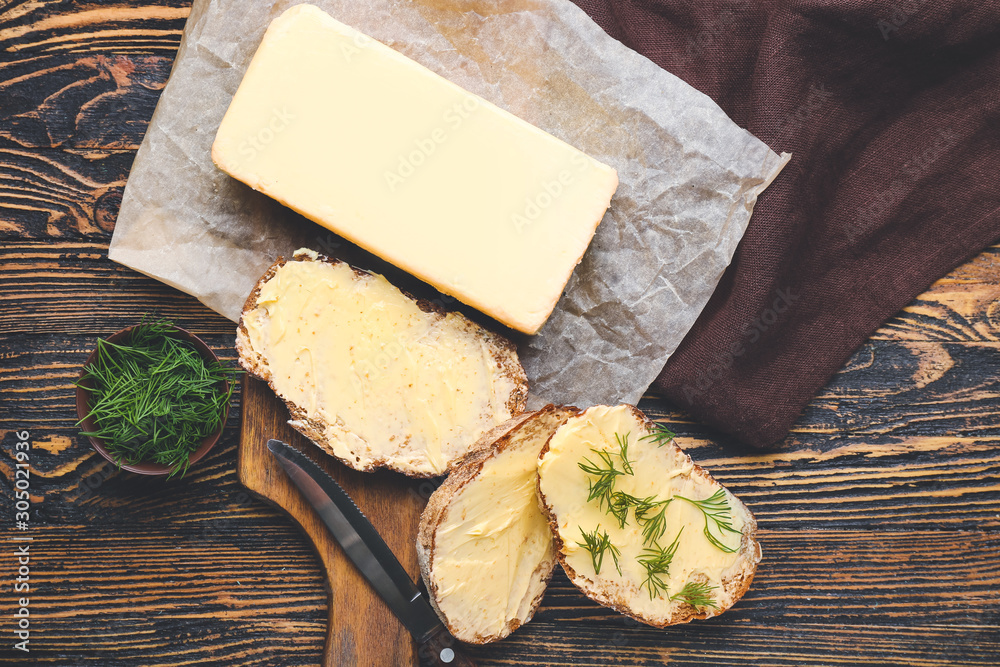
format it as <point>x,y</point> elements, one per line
<point>879,516</point>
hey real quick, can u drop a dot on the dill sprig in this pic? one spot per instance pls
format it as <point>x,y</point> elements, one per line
<point>623,452</point>
<point>154,398</point>
<point>649,512</point>
<point>717,512</point>
<point>619,503</point>
<point>598,543</point>
<point>660,434</point>
<point>603,486</point>
<point>697,595</point>
<point>651,515</point>
<point>657,561</point>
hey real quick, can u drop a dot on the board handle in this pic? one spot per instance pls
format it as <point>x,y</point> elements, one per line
<point>361,630</point>
<point>440,649</point>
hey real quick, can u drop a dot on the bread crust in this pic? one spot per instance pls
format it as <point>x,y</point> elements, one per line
<point>504,353</point>
<point>737,584</point>
<point>489,445</point>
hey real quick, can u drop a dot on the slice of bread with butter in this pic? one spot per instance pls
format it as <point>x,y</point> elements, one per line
<point>371,375</point>
<point>484,546</point>
<point>640,527</point>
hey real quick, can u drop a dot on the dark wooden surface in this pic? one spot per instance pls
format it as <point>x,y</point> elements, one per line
<point>879,516</point>
<point>361,629</point>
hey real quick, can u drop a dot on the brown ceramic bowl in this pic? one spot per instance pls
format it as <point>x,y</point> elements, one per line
<point>82,408</point>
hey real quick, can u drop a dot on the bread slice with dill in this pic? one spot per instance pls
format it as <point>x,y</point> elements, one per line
<point>638,526</point>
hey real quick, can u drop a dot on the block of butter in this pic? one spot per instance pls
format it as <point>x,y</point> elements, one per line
<point>368,143</point>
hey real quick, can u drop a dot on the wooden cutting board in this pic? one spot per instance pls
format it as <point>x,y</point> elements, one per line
<point>361,630</point>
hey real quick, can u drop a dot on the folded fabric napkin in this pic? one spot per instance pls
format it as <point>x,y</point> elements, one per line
<point>892,114</point>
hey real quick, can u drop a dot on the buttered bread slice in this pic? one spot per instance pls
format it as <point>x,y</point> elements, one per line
<point>638,526</point>
<point>484,546</point>
<point>371,375</point>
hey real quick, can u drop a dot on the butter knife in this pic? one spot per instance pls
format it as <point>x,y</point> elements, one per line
<point>372,556</point>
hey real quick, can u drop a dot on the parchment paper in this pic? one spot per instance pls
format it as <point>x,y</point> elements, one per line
<point>689,176</point>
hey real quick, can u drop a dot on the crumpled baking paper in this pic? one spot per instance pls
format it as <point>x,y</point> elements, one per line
<point>689,176</point>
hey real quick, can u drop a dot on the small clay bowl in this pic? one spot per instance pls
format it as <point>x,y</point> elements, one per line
<point>83,397</point>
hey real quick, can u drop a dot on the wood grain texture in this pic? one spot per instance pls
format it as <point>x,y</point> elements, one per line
<point>879,515</point>
<point>888,542</point>
<point>78,84</point>
<point>362,630</point>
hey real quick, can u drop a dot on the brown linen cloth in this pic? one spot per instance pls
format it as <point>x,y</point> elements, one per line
<point>892,113</point>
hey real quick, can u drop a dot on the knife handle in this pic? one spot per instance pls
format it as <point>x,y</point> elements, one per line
<point>440,649</point>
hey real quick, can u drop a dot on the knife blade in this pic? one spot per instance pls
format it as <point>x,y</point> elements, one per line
<point>364,547</point>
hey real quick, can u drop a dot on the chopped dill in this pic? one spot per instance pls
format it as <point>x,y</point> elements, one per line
<point>623,452</point>
<point>651,514</point>
<point>648,511</point>
<point>657,561</point>
<point>697,595</point>
<point>154,398</point>
<point>597,543</point>
<point>716,510</point>
<point>619,503</point>
<point>602,487</point>
<point>660,434</point>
